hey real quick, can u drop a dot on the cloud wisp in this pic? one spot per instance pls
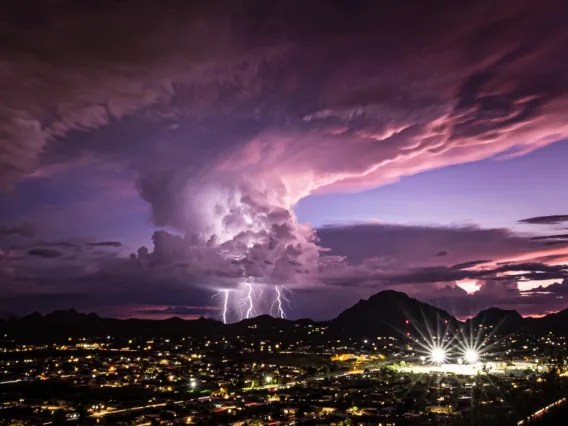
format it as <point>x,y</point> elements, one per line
<point>546,220</point>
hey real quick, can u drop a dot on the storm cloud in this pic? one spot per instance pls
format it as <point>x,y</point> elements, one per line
<point>45,253</point>
<point>226,114</point>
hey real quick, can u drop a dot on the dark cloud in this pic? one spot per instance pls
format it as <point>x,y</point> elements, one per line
<point>546,220</point>
<point>120,301</point>
<point>516,272</point>
<point>534,268</point>
<point>491,287</point>
<point>408,246</point>
<point>443,274</point>
<point>470,264</point>
<point>105,244</point>
<point>442,253</point>
<point>24,230</point>
<point>552,237</point>
<point>46,253</point>
<point>554,243</point>
<point>428,275</point>
<point>66,245</point>
<point>559,288</point>
<point>181,310</point>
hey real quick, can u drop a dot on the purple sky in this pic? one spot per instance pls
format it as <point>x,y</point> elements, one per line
<point>489,193</point>
<point>336,150</point>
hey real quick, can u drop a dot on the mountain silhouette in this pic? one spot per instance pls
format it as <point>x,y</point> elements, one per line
<point>392,313</point>
<point>502,320</point>
<point>387,313</point>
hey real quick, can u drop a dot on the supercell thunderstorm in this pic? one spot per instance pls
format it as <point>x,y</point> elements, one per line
<point>253,134</point>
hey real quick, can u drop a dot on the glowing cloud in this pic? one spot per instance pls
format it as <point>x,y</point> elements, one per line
<point>470,286</point>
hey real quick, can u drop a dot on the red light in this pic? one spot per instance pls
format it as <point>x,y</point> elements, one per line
<point>406,321</point>
<point>445,321</point>
<point>408,334</point>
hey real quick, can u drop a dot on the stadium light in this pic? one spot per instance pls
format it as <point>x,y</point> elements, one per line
<point>438,355</point>
<point>471,356</point>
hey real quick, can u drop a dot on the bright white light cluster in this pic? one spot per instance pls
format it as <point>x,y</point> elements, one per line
<point>471,356</point>
<point>439,355</point>
<point>444,345</point>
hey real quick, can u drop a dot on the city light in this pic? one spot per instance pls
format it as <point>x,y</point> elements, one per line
<point>268,379</point>
<point>438,355</point>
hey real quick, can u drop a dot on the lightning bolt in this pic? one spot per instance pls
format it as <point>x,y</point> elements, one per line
<point>224,304</point>
<point>246,304</point>
<point>277,304</point>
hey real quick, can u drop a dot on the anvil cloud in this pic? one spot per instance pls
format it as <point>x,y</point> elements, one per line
<point>227,114</point>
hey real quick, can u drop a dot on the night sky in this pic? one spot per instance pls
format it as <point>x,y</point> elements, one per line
<point>154,154</point>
